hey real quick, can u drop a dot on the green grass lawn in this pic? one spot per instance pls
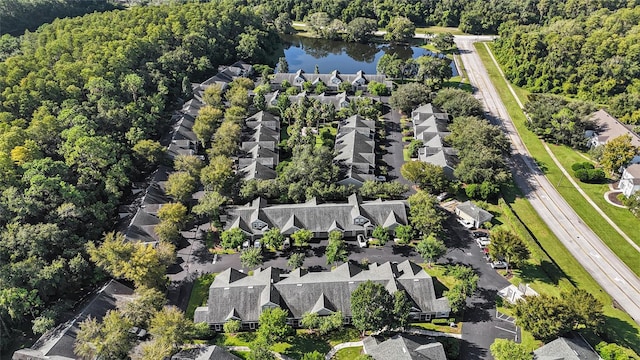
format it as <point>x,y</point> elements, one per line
<point>199,293</point>
<point>553,268</point>
<point>241,354</point>
<point>580,205</point>
<point>439,30</point>
<point>441,328</point>
<point>349,353</point>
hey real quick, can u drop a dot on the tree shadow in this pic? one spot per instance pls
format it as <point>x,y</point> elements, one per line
<point>402,250</point>
<point>471,351</point>
<point>201,255</point>
<point>622,333</point>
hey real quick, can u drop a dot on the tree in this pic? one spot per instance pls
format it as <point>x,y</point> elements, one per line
<point>283,65</point>
<point>409,96</point>
<point>430,248</point>
<point>181,186</point>
<point>360,29</point>
<point>377,88</point>
<point>108,340</point>
<point>251,257</point>
<point>310,320</point>
<point>381,234</point>
<point>238,96</point>
<point>209,205</point>
<point>315,355</point>
<point>457,103</point>
<point>371,307</point>
<point>618,153</point>
<point>442,41</point>
<point>587,310</point>
<point>399,29</point>
<point>143,264</point>
<point>206,122</point>
<point>283,24</point>
<point>383,189</point>
<point>273,326</point>
<point>507,245</point>
<point>301,237</point>
<point>188,163</point>
<point>216,175</point>
<point>433,70</point>
<point>401,309</point>
<point>318,22</point>
<point>142,308</point>
<point>225,140</point>
<point>273,238</point>
<point>404,233</point>
<point>174,213</point>
<point>232,326</point>
<point>148,154</point>
<point>261,352</point>
<point>425,212</point>
<point>133,84</point>
<point>546,317</point>
<point>232,238</point>
<point>296,260</point>
<point>336,249</point>
<point>154,349</point>
<point>169,326</point>
<point>503,349</point>
<point>427,176</point>
<point>213,96</point>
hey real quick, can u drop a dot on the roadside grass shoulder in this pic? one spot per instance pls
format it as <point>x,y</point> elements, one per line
<point>606,232</point>
<point>619,326</point>
<point>199,293</point>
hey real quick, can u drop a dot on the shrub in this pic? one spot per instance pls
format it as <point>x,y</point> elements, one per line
<point>582,165</point>
<point>414,146</point>
<point>590,175</point>
<point>440,321</point>
<point>472,191</point>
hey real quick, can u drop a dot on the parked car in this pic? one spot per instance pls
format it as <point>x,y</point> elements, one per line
<point>381,178</point>
<point>499,265</point>
<point>245,244</point>
<point>362,241</point>
<point>483,242</point>
<point>443,196</point>
<point>257,244</point>
<point>466,223</point>
<point>286,244</point>
<point>479,234</point>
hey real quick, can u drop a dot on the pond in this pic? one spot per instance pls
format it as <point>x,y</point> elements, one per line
<point>305,53</point>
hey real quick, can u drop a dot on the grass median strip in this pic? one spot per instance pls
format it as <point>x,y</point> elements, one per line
<point>545,245</point>
<point>606,232</point>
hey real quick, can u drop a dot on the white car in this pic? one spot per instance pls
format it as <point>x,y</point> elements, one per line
<point>499,265</point>
<point>362,242</point>
<point>483,242</point>
<point>466,223</point>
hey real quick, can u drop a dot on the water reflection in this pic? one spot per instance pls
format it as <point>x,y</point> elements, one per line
<point>305,53</point>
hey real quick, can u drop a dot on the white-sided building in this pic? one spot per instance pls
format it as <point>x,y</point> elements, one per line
<point>630,180</point>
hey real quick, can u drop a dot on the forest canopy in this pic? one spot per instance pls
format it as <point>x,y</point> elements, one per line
<point>594,57</point>
<point>77,98</point>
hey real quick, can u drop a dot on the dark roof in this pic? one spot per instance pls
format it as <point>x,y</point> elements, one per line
<point>610,128</point>
<point>212,352</point>
<point>332,79</point>
<point>58,343</point>
<point>317,217</point>
<point>402,347</point>
<point>570,347</point>
<point>236,295</point>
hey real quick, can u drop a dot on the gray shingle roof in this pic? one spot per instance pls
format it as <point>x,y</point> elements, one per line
<point>319,218</point>
<point>402,348</point>
<point>334,79</point>
<point>610,128</point>
<point>58,343</point>
<point>212,352</point>
<point>355,148</point>
<point>322,292</point>
<point>475,212</point>
<point>570,347</point>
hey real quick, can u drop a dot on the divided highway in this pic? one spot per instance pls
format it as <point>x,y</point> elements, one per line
<point>604,266</point>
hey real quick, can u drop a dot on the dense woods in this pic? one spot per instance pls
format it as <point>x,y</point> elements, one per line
<point>16,16</point>
<point>472,16</point>
<point>592,57</point>
<point>83,103</point>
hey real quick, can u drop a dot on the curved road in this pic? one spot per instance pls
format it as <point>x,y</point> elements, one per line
<point>603,265</point>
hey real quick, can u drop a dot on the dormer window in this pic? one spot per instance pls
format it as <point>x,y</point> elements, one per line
<point>336,81</point>
<point>258,225</point>
<point>298,80</point>
<point>360,220</point>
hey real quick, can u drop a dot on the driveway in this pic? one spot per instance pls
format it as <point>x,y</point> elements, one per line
<point>393,157</point>
<point>481,326</point>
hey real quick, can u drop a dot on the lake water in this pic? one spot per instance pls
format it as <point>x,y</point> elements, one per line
<point>305,53</point>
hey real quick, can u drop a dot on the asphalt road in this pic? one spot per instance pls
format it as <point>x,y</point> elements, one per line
<point>393,158</point>
<point>603,265</point>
